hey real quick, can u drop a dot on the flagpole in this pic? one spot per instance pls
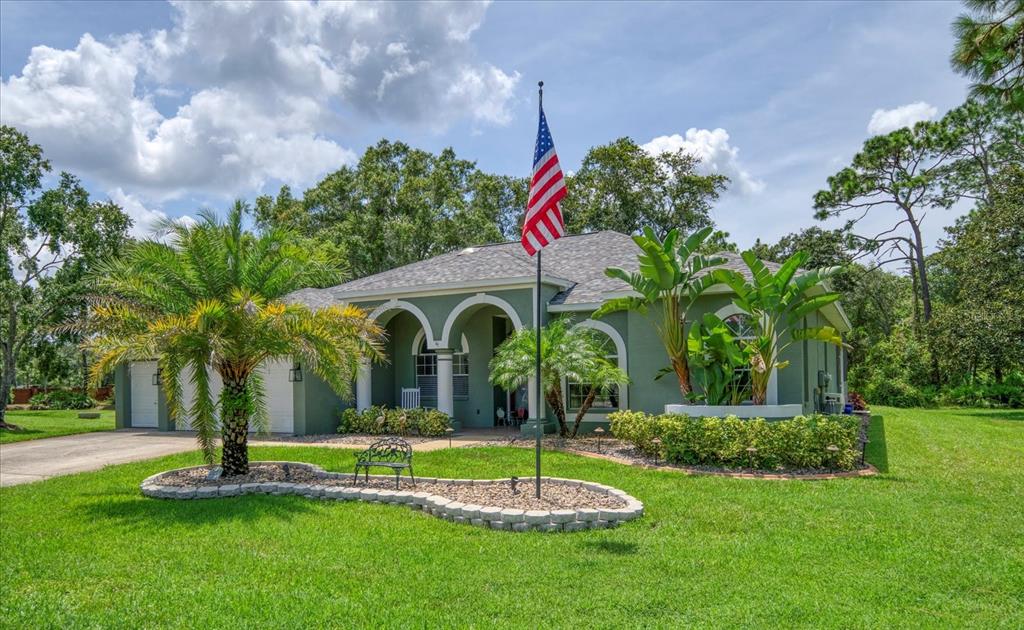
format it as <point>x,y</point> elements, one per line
<point>539,406</point>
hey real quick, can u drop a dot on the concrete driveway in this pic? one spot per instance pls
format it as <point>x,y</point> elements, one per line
<point>33,460</point>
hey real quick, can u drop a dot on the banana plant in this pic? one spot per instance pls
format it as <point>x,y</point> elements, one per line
<point>717,359</point>
<point>777,303</point>
<point>673,275</point>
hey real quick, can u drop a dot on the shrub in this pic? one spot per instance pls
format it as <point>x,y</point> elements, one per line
<point>380,420</point>
<point>60,399</point>
<point>988,393</point>
<point>897,393</point>
<point>858,402</point>
<point>802,442</point>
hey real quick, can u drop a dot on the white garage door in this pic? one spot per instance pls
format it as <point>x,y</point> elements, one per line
<point>278,392</point>
<point>144,394</point>
<point>188,393</point>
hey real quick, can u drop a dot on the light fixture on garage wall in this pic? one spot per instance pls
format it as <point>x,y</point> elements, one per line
<point>158,376</point>
<point>295,374</point>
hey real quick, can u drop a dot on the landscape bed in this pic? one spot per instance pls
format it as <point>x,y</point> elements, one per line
<point>504,504</point>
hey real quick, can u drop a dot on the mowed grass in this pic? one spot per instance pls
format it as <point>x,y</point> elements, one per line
<point>936,541</point>
<point>51,423</point>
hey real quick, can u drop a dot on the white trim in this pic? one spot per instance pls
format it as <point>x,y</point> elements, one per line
<point>445,288</point>
<point>474,300</point>
<point>620,352</point>
<point>391,305</point>
<point>609,295</point>
<point>772,395</point>
<point>741,411</point>
<point>418,339</point>
<point>568,308</point>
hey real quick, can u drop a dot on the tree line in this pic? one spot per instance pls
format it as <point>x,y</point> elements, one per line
<point>951,318</point>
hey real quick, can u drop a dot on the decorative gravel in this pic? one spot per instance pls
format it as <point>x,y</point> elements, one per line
<point>497,493</point>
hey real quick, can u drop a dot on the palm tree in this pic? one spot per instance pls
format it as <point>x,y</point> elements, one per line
<point>776,303</point>
<point>211,298</point>
<point>566,351</point>
<point>673,275</point>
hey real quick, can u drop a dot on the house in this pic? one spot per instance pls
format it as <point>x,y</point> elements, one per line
<point>445,316</point>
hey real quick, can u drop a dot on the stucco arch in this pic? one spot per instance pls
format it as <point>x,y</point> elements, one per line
<point>418,339</point>
<point>620,353</point>
<point>402,305</point>
<point>480,299</point>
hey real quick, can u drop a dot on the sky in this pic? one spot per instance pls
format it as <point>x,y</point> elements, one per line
<point>168,108</point>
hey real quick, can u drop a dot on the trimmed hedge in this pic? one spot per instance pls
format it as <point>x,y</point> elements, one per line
<point>379,420</point>
<point>61,399</point>
<point>800,443</point>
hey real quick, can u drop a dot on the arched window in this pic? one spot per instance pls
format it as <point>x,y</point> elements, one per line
<point>742,328</point>
<point>740,325</point>
<point>426,374</point>
<point>606,399</point>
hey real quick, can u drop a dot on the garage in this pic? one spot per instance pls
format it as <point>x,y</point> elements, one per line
<point>144,394</point>
<point>188,396</point>
<point>278,391</point>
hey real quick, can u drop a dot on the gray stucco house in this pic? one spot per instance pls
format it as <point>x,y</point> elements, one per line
<point>445,316</point>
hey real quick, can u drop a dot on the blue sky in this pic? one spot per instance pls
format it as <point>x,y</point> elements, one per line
<point>166,108</point>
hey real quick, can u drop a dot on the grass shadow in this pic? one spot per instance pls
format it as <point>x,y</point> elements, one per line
<point>1012,415</point>
<point>877,452</point>
<point>613,547</point>
<point>20,431</point>
<point>134,510</point>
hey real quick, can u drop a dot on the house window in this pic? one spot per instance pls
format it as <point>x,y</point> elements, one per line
<point>460,375</point>
<point>426,375</point>
<point>606,399</point>
<point>742,329</point>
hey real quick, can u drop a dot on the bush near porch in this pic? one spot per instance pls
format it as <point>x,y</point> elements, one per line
<point>380,420</point>
<point>800,443</point>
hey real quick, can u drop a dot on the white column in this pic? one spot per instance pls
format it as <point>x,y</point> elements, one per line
<point>445,390</point>
<point>363,385</point>
<point>531,397</point>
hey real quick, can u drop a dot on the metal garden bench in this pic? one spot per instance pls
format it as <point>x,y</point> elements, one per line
<point>394,453</point>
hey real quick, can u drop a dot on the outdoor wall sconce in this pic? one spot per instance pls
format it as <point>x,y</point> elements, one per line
<point>158,376</point>
<point>295,374</point>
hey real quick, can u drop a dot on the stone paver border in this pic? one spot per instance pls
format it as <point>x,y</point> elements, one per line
<point>506,519</point>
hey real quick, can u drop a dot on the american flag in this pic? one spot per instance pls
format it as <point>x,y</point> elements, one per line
<point>543,223</point>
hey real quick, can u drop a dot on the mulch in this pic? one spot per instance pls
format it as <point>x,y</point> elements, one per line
<point>489,493</point>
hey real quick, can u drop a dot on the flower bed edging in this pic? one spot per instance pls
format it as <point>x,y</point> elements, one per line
<point>508,519</point>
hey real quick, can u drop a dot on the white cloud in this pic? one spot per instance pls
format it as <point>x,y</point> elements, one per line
<point>144,220</point>
<point>259,84</point>
<point>715,152</point>
<point>888,120</point>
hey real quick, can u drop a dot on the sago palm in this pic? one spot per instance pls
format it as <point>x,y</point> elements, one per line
<point>566,351</point>
<point>210,298</point>
<point>671,274</point>
<point>777,303</point>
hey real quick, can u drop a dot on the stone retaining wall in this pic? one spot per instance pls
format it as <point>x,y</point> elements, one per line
<point>508,519</point>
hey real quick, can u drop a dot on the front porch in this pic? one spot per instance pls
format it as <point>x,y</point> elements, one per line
<point>450,371</point>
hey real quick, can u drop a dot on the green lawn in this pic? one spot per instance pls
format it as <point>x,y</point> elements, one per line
<point>44,424</point>
<point>936,541</point>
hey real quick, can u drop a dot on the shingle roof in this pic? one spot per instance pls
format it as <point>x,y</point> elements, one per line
<point>579,261</point>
